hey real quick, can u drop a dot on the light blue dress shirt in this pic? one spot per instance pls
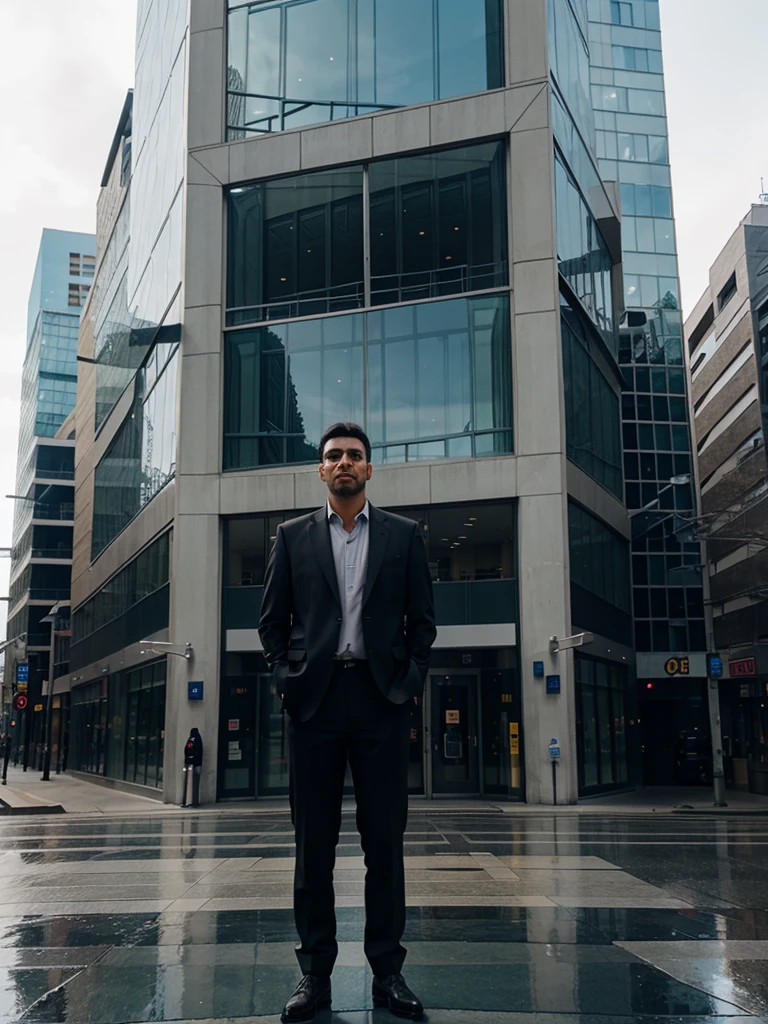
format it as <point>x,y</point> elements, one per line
<point>350,557</point>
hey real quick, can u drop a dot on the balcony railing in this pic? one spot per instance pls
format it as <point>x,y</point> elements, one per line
<point>476,602</point>
<point>289,108</point>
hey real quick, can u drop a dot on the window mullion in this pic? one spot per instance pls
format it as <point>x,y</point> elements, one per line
<point>366,237</point>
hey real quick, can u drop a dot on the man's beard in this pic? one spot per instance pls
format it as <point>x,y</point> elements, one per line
<point>346,488</point>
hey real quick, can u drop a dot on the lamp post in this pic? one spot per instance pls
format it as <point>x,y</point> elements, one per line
<point>50,617</point>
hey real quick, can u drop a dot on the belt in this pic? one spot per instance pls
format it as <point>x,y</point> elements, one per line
<point>341,662</point>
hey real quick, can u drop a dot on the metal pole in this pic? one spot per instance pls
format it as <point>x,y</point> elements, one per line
<point>718,775</point>
<point>49,708</point>
<point>554,782</point>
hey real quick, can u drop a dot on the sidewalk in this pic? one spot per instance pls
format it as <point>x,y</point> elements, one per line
<point>26,793</point>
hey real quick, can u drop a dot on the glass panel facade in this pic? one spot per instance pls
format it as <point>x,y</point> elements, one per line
<point>600,587</point>
<point>296,246</point>
<point>592,415</point>
<point>438,224</point>
<point>147,573</point>
<point>582,254</point>
<point>429,381</point>
<point>569,60</point>
<point>601,699</point>
<point>299,62</point>
<point>142,456</point>
<point>629,105</point>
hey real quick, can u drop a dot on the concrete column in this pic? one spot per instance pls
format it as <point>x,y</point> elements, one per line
<point>540,446</point>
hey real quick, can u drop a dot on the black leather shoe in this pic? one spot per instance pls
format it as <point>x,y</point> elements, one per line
<point>393,993</point>
<point>312,994</point>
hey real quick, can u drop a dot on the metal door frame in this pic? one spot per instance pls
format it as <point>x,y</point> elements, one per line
<point>427,731</point>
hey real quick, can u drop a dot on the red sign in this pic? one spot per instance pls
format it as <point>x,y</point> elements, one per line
<point>20,701</point>
<point>743,667</point>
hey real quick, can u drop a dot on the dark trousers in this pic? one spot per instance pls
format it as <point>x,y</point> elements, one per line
<point>354,724</point>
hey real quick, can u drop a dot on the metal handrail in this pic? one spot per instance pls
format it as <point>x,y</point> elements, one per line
<point>299,105</point>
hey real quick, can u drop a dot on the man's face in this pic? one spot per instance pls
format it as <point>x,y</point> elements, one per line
<point>345,469</point>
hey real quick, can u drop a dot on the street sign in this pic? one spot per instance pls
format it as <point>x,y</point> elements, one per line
<point>554,748</point>
<point>678,667</point>
<point>553,684</point>
<point>538,670</point>
<point>743,667</point>
<point>22,672</point>
<point>714,666</point>
<point>20,702</point>
<point>195,690</point>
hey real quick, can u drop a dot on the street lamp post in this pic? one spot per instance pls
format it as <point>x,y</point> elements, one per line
<point>50,617</point>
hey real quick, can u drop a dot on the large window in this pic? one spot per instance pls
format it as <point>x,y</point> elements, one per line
<point>130,606</point>
<point>592,415</point>
<point>601,719</point>
<point>430,381</point>
<point>299,62</point>
<point>600,589</point>
<point>438,224</point>
<point>298,246</point>
<point>583,256</point>
<point>142,456</point>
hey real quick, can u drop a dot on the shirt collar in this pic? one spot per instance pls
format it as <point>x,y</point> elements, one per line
<point>364,513</point>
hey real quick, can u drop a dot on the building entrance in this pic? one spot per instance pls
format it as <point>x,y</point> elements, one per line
<point>465,731</point>
<point>453,744</point>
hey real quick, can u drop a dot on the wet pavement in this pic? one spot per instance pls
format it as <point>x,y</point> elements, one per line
<point>525,918</point>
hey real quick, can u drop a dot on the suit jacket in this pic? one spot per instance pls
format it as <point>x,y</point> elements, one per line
<point>301,610</point>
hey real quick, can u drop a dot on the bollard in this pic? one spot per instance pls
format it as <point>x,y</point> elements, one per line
<point>193,765</point>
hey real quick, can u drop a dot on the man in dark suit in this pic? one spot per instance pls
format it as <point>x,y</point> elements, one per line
<point>347,621</point>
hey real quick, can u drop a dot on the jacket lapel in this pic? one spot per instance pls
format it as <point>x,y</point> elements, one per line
<point>320,535</point>
<point>377,548</point>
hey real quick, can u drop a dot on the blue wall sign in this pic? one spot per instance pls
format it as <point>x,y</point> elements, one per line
<point>553,684</point>
<point>714,666</point>
<point>538,670</point>
<point>22,672</point>
<point>195,690</point>
<point>554,748</point>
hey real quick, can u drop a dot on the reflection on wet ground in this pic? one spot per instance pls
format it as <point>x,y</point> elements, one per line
<point>530,919</point>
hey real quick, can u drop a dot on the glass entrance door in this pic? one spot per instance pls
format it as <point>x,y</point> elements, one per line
<point>454,740</point>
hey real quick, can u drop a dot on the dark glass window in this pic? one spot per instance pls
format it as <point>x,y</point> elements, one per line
<point>583,256</point>
<point>435,379</point>
<point>141,458</point>
<point>298,62</point>
<point>438,224</point>
<point>599,558</point>
<point>296,246</point>
<point>591,407</point>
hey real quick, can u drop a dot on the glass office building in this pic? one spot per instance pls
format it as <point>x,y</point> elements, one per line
<point>41,556</point>
<point>407,230</point>
<point>627,92</point>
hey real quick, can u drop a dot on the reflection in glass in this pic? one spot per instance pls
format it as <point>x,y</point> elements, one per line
<point>296,246</point>
<point>299,62</point>
<point>141,458</point>
<point>592,418</point>
<point>435,373</point>
<point>438,224</point>
<point>583,256</point>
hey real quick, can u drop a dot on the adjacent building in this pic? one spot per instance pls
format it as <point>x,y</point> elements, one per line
<point>41,556</point>
<point>308,216</point>
<point>726,342</point>
<point>631,139</point>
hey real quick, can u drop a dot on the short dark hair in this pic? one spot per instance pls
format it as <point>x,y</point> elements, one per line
<point>345,430</point>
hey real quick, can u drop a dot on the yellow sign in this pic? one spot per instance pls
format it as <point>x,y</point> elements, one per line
<point>452,717</point>
<point>38,707</point>
<point>514,737</point>
<point>21,687</point>
<point>678,667</point>
<point>506,698</point>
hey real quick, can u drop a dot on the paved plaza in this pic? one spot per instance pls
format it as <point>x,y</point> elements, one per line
<point>528,918</point>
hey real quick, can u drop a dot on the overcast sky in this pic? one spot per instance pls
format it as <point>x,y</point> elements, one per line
<point>65,67</point>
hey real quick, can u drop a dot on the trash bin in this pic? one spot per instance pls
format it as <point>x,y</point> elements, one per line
<point>193,767</point>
